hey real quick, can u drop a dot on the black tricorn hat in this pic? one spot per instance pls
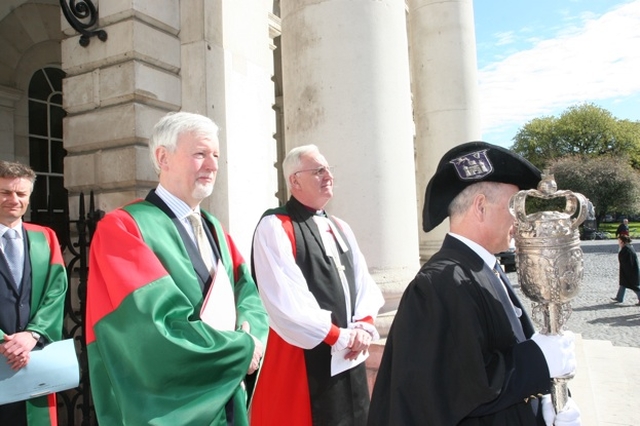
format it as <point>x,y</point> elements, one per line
<point>470,163</point>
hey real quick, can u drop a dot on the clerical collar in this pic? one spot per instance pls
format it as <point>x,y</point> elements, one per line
<point>315,212</point>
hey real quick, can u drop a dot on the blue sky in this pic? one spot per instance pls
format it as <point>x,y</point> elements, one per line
<point>538,57</point>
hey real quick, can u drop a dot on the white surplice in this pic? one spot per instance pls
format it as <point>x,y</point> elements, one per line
<point>293,311</point>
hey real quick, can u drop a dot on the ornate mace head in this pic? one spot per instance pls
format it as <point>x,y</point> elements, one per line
<point>548,254</point>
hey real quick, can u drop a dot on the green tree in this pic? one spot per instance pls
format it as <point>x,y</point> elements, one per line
<point>629,136</point>
<point>611,185</point>
<point>586,130</point>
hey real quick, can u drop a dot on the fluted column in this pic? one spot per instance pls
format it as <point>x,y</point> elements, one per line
<point>445,94</point>
<point>346,89</point>
<point>227,64</point>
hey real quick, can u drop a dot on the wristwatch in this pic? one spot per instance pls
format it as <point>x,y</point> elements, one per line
<point>35,335</point>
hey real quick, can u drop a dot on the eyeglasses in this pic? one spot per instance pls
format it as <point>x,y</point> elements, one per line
<point>321,171</point>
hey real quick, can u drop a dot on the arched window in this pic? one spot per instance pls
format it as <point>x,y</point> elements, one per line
<point>46,152</point>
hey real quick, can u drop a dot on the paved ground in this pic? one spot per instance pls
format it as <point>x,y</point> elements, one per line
<point>594,315</point>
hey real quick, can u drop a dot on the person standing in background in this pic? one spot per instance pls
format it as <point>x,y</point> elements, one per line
<point>623,228</point>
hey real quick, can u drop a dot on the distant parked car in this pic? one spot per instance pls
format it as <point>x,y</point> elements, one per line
<point>592,234</point>
<point>589,226</point>
<point>507,259</point>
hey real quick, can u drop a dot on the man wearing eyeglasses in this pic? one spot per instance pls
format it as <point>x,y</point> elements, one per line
<point>321,300</point>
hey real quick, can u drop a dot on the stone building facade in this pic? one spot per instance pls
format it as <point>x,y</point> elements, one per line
<point>383,87</point>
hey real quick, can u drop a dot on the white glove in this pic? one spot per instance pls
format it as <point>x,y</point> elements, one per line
<point>568,416</point>
<point>558,351</point>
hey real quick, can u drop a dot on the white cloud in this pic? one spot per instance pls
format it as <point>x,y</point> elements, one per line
<point>504,38</point>
<point>597,60</point>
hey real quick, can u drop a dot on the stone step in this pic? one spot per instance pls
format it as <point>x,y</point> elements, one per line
<point>607,384</point>
<point>581,387</point>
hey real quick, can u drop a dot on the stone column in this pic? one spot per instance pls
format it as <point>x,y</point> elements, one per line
<point>115,91</point>
<point>226,75</point>
<point>346,89</point>
<point>445,94</point>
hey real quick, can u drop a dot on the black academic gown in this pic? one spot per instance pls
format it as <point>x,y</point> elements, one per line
<point>452,356</point>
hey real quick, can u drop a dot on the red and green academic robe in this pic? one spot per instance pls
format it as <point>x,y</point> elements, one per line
<point>151,359</point>
<point>48,289</point>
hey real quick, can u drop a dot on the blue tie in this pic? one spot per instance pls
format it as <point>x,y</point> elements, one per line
<point>12,254</point>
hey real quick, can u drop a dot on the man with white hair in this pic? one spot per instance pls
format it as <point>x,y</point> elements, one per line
<point>174,320</point>
<point>321,301</point>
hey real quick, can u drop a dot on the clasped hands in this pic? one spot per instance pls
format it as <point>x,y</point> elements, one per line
<point>16,348</point>
<point>357,340</point>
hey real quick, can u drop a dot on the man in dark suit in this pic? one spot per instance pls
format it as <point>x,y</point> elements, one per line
<point>462,350</point>
<point>33,282</point>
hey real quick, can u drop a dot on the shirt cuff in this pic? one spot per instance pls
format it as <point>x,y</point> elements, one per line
<point>333,335</point>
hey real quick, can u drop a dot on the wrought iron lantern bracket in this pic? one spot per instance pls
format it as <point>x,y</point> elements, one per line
<point>82,15</point>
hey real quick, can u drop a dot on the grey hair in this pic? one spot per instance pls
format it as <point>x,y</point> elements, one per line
<point>293,159</point>
<point>464,199</point>
<point>17,170</point>
<point>175,124</point>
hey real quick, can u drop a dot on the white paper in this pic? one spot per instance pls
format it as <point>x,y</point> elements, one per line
<point>219,306</point>
<point>51,369</point>
<point>340,364</point>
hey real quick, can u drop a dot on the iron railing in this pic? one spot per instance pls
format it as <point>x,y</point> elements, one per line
<point>75,406</point>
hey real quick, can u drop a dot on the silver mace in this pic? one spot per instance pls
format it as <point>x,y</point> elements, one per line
<point>549,261</point>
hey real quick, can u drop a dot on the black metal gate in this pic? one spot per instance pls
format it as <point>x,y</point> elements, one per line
<point>75,406</point>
